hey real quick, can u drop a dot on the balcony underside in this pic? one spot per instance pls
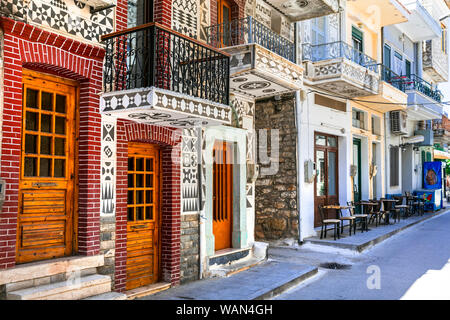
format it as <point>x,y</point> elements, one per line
<point>163,107</point>
<point>343,77</point>
<point>302,10</point>
<point>389,99</point>
<point>256,72</point>
<point>421,107</point>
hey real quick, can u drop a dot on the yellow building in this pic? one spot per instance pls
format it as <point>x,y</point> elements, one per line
<point>364,21</point>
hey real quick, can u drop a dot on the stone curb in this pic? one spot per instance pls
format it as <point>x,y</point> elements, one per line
<point>286,286</point>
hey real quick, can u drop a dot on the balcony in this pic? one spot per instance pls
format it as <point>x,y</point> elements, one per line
<point>302,10</point>
<point>341,69</point>
<point>421,25</point>
<point>435,61</point>
<point>424,101</point>
<point>391,95</point>
<point>157,76</point>
<point>262,62</point>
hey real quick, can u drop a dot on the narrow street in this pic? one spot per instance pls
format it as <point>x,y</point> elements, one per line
<point>401,261</point>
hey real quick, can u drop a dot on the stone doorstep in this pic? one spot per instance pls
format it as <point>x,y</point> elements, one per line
<point>64,290</point>
<point>147,290</point>
<point>237,267</point>
<point>47,268</point>
<point>369,244</point>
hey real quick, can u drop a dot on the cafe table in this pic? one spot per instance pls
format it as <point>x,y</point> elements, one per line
<point>384,207</point>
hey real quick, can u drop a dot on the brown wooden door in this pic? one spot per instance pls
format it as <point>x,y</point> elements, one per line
<point>222,194</point>
<point>46,184</point>
<point>326,187</point>
<point>224,17</point>
<point>143,214</point>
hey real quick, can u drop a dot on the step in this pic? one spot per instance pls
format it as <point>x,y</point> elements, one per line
<point>65,290</point>
<point>108,296</point>
<point>234,268</point>
<point>147,290</point>
<point>48,268</point>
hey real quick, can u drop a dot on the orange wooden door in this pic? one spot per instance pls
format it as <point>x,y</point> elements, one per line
<point>222,194</point>
<point>224,17</point>
<point>143,215</point>
<point>46,184</point>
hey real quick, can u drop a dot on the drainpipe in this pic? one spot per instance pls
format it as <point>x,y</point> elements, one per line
<point>297,110</point>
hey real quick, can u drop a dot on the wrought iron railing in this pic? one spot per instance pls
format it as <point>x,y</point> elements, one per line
<point>247,31</point>
<point>335,50</point>
<point>152,55</point>
<point>389,76</point>
<point>414,82</point>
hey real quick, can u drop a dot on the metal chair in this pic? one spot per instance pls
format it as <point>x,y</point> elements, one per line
<point>377,213</point>
<point>405,208</point>
<point>351,222</point>
<point>362,218</point>
<point>417,205</point>
<point>325,222</point>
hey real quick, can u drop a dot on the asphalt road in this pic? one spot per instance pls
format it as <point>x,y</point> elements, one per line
<point>414,264</point>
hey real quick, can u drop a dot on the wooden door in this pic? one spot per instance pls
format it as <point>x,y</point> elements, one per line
<point>47,170</point>
<point>143,214</point>
<point>223,194</point>
<point>326,186</point>
<point>224,17</point>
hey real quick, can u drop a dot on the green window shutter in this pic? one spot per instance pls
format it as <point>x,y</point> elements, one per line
<point>428,156</point>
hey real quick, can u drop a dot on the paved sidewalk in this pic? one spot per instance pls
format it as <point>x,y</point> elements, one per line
<point>363,241</point>
<point>260,282</point>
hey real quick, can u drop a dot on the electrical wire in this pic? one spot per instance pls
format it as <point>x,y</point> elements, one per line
<point>376,102</point>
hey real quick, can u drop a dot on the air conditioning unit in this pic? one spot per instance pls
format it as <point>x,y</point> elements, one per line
<point>398,122</point>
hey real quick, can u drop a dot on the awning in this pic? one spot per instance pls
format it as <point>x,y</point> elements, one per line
<point>441,155</point>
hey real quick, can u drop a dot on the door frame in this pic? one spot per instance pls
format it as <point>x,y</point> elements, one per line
<point>325,149</point>
<point>357,142</point>
<point>160,203</point>
<point>76,135</point>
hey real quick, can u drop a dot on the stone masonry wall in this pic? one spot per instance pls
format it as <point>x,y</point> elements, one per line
<point>190,247</point>
<point>276,195</point>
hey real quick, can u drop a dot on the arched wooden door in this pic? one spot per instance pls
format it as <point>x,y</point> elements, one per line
<point>47,171</point>
<point>143,214</point>
<point>222,194</point>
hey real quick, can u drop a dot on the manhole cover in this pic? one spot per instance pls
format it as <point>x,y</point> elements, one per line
<point>335,266</point>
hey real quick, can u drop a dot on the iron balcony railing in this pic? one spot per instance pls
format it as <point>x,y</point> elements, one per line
<point>153,55</point>
<point>248,31</point>
<point>414,82</point>
<point>338,49</point>
<point>389,76</point>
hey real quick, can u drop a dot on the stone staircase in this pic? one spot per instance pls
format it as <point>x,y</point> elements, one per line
<point>70,278</point>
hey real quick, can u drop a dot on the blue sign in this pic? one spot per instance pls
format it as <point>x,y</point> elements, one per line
<point>432,175</point>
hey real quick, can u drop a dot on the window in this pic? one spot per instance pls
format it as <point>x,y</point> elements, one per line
<point>394,166</point>
<point>408,68</point>
<point>376,125</point>
<point>358,119</point>
<point>319,30</point>
<point>357,39</point>
<point>139,12</point>
<point>397,65</point>
<point>444,39</point>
